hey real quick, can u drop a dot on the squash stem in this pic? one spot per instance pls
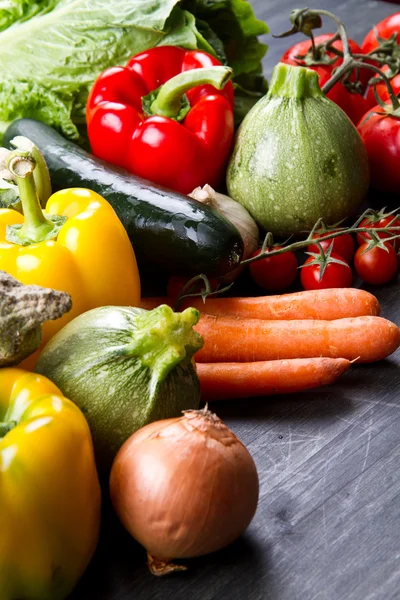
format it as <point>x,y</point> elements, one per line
<point>164,338</point>
<point>294,82</point>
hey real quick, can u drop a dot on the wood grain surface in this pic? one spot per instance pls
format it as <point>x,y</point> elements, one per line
<point>328,521</point>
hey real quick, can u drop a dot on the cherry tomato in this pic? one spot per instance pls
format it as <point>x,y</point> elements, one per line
<point>342,245</point>
<point>275,273</point>
<point>382,90</point>
<point>354,105</point>
<point>385,29</point>
<point>374,223</point>
<point>380,133</point>
<point>375,265</point>
<point>335,275</point>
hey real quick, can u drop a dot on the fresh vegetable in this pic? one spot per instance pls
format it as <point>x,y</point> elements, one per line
<point>164,226</point>
<point>382,41</point>
<point>380,88</point>
<point>23,310</point>
<point>376,263</point>
<point>234,212</point>
<point>9,191</point>
<point>386,29</point>
<point>184,487</point>
<point>379,219</point>
<point>380,132</point>
<point>49,490</point>
<point>231,339</point>
<point>76,245</point>
<point>283,177</point>
<point>232,380</point>
<point>125,367</point>
<point>139,117</point>
<point>275,273</point>
<point>343,245</point>
<point>323,270</point>
<point>58,48</point>
<point>323,61</point>
<point>317,304</point>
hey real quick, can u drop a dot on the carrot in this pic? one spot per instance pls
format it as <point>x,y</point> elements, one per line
<point>222,381</point>
<point>329,304</point>
<point>230,339</point>
<point>336,303</point>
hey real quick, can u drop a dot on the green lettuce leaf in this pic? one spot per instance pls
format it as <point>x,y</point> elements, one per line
<point>232,29</point>
<point>12,11</point>
<point>234,23</point>
<point>51,51</point>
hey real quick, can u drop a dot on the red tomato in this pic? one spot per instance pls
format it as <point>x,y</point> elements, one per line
<point>385,29</point>
<point>375,265</point>
<point>336,275</point>
<point>342,245</point>
<point>382,90</point>
<point>381,135</point>
<point>354,105</point>
<point>377,222</point>
<point>275,273</point>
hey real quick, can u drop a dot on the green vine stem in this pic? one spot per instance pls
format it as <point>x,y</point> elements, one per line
<point>203,293</point>
<point>299,245</point>
<point>267,251</point>
<point>303,19</point>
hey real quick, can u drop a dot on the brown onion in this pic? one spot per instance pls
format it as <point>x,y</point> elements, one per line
<point>184,487</point>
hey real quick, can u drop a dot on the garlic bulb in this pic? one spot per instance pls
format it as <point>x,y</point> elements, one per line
<point>234,212</point>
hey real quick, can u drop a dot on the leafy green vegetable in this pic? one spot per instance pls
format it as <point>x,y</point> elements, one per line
<point>13,11</point>
<point>51,51</point>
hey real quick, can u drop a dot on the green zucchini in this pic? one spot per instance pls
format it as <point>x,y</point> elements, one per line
<point>164,227</point>
<point>297,157</point>
<point>125,367</point>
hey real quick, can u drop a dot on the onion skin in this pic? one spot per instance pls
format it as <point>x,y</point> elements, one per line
<point>184,487</point>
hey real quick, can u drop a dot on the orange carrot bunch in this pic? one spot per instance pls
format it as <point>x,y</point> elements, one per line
<point>285,343</point>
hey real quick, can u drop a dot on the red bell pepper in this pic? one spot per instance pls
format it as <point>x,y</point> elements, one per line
<point>166,116</point>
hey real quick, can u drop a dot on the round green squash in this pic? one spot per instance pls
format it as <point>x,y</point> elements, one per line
<point>125,367</point>
<point>297,157</point>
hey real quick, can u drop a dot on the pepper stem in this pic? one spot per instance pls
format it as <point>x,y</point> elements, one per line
<point>41,173</point>
<point>36,227</point>
<point>5,427</point>
<point>168,100</point>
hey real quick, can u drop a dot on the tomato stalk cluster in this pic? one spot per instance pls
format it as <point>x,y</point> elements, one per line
<point>374,230</point>
<point>267,248</point>
<point>386,53</point>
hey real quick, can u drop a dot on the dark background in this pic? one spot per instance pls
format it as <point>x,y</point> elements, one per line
<point>328,521</point>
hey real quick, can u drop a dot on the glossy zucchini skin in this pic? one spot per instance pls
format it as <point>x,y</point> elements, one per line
<point>165,227</point>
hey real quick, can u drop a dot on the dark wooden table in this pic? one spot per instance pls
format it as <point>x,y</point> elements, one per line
<point>328,521</point>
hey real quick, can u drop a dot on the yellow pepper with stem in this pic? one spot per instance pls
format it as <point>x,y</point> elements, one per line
<point>77,245</point>
<point>49,490</point>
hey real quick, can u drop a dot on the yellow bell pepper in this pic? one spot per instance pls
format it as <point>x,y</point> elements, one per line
<point>76,245</point>
<point>49,490</point>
